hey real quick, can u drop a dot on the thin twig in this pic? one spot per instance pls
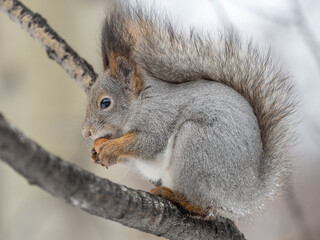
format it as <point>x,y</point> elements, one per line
<point>221,13</point>
<point>56,48</point>
<point>307,34</point>
<point>261,12</point>
<point>298,20</point>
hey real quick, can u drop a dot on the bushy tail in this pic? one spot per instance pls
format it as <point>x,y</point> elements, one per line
<point>169,54</point>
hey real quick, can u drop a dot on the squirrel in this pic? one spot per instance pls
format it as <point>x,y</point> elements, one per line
<point>207,119</point>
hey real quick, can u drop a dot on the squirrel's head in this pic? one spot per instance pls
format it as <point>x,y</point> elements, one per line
<point>109,100</point>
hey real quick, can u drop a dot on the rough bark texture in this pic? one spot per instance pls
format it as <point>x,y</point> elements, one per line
<point>97,196</point>
<point>56,48</point>
<point>100,197</point>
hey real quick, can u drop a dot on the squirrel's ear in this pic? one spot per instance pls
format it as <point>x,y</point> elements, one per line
<point>131,75</point>
<point>123,67</point>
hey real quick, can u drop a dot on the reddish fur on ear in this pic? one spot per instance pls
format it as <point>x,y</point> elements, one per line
<point>137,81</point>
<point>133,75</point>
<point>113,65</point>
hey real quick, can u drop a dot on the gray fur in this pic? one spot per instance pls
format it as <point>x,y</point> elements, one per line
<point>226,106</point>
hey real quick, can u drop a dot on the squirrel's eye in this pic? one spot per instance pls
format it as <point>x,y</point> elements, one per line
<point>105,103</point>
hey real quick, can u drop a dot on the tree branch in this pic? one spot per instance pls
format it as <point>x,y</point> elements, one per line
<point>56,48</point>
<point>103,198</point>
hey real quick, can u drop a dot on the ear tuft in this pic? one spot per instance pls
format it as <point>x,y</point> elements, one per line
<point>119,66</point>
<point>129,74</point>
<point>123,67</point>
<point>137,81</point>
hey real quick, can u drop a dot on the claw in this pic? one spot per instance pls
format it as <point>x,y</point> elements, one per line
<point>92,150</point>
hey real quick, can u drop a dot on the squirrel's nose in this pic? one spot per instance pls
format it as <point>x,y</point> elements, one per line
<point>86,132</point>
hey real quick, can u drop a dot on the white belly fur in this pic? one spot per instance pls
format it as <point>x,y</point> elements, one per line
<point>158,168</point>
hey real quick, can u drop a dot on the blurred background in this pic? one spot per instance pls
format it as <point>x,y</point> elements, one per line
<point>38,97</point>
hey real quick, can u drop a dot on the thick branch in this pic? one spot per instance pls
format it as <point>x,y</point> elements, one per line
<point>100,197</point>
<point>56,48</point>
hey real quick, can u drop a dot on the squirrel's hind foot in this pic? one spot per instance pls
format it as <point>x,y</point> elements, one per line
<point>179,199</point>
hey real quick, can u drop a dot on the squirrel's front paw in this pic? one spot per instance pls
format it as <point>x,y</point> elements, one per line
<point>105,156</point>
<point>101,153</point>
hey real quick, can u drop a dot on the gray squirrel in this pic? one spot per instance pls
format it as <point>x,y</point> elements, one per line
<point>206,118</point>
